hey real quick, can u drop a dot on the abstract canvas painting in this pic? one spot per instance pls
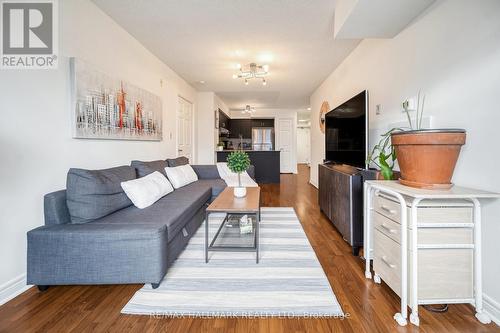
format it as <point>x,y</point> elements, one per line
<point>110,108</point>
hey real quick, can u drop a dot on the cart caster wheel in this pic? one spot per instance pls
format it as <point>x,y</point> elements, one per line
<point>414,319</point>
<point>377,279</point>
<point>400,320</point>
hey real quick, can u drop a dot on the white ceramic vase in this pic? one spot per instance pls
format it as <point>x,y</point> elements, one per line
<point>240,192</point>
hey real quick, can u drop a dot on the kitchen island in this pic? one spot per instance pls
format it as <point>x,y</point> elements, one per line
<point>266,163</point>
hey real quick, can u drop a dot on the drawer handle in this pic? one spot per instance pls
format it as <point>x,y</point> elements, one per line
<point>384,259</point>
<point>388,210</point>
<point>389,230</point>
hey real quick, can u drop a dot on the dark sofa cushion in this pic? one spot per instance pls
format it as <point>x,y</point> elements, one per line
<point>145,168</point>
<point>173,211</point>
<point>92,194</point>
<point>206,171</point>
<point>175,162</point>
<point>217,185</point>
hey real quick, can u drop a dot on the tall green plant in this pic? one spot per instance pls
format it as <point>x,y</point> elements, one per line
<point>238,161</point>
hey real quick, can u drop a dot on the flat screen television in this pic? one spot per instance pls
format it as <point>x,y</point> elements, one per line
<point>346,127</point>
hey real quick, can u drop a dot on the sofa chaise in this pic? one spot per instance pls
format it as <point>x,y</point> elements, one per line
<point>93,234</point>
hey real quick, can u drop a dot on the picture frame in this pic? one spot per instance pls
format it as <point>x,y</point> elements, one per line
<point>105,107</point>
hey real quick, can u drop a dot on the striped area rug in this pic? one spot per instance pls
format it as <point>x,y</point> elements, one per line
<point>287,282</point>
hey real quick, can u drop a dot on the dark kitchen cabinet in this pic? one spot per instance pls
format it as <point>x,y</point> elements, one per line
<point>341,200</point>
<point>262,122</point>
<point>241,127</point>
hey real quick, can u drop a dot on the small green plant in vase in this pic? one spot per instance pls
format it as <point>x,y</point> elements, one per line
<point>238,162</point>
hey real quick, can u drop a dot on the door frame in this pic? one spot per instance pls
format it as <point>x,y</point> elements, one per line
<point>193,156</point>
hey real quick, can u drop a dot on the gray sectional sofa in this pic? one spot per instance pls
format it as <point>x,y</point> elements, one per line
<point>93,234</point>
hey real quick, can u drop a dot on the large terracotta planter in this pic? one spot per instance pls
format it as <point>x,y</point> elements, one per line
<point>427,158</point>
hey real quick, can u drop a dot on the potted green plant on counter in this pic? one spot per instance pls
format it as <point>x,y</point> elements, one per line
<point>238,162</point>
<point>220,146</point>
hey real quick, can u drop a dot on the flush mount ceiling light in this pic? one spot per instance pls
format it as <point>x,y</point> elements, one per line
<point>252,71</point>
<point>248,110</point>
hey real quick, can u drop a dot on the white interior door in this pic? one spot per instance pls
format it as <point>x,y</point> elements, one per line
<point>285,145</point>
<point>185,129</point>
<point>303,145</point>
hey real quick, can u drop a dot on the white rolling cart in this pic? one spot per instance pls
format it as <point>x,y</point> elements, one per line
<point>425,244</point>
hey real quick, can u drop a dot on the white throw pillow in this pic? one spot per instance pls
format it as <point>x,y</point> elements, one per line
<point>145,191</point>
<point>181,175</point>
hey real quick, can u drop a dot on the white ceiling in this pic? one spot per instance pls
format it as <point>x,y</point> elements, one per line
<point>205,39</point>
<point>376,19</point>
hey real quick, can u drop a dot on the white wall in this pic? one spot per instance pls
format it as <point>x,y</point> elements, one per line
<point>208,102</point>
<point>205,128</point>
<point>452,52</point>
<point>35,132</point>
<point>303,144</point>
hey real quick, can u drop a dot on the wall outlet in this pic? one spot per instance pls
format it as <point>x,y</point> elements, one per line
<point>412,104</point>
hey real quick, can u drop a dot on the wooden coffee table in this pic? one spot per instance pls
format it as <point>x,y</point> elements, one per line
<point>234,208</point>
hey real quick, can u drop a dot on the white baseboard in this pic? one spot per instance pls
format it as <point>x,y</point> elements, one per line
<point>13,288</point>
<point>492,308</point>
<point>313,183</point>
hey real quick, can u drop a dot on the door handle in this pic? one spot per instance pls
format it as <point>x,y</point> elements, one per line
<point>386,228</point>
<point>388,210</point>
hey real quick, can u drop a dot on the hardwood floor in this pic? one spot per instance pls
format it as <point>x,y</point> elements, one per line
<point>370,306</point>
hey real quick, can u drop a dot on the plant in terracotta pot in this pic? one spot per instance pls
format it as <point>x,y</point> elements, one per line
<point>238,162</point>
<point>426,157</point>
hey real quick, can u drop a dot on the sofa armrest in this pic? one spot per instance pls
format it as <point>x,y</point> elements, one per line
<point>55,208</point>
<point>206,171</point>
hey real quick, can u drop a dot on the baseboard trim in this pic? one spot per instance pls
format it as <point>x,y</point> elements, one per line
<point>313,184</point>
<point>492,308</point>
<point>13,288</point>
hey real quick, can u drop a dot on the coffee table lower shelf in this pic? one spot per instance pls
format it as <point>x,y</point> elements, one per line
<point>230,218</point>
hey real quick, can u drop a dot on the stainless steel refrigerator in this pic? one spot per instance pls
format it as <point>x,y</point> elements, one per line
<point>262,138</point>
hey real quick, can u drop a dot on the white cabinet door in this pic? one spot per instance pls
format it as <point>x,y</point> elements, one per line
<point>185,129</point>
<point>285,145</point>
